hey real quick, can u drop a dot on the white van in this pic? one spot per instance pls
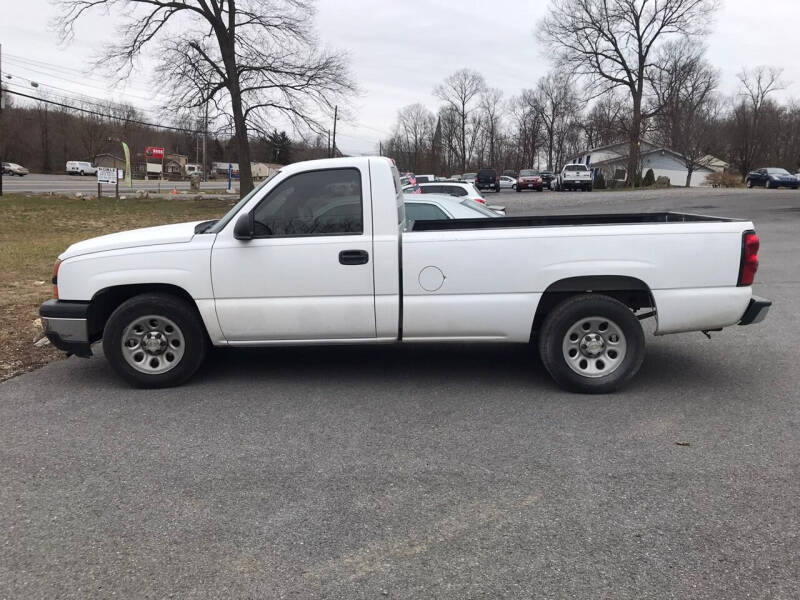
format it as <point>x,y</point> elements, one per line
<point>80,167</point>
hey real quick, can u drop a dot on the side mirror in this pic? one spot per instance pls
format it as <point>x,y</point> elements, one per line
<point>244,228</point>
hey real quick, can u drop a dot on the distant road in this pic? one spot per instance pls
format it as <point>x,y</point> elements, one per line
<point>88,184</point>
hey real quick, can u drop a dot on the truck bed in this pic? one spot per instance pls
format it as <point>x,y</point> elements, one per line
<point>564,220</point>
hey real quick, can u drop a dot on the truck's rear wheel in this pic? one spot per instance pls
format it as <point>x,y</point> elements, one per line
<point>154,340</point>
<point>592,344</point>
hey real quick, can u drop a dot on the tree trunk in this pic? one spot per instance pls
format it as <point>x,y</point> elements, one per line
<point>633,141</point>
<point>463,140</point>
<point>689,177</point>
<point>226,46</point>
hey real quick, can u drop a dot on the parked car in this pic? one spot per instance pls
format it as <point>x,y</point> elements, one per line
<point>440,206</point>
<point>529,179</point>
<point>317,255</point>
<point>450,188</point>
<point>771,177</point>
<point>574,177</point>
<point>487,179</point>
<point>547,179</point>
<point>507,183</point>
<point>10,168</point>
<point>468,177</point>
<point>80,167</point>
<point>425,178</point>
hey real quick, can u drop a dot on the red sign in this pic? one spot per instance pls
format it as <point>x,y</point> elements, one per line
<point>154,152</point>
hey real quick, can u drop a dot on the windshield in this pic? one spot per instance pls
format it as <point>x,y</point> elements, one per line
<point>220,225</point>
<point>777,171</point>
<point>575,168</point>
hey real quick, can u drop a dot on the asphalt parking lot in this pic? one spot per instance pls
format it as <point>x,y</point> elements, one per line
<point>424,472</point>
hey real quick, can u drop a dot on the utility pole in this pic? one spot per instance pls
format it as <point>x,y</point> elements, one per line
<point>335,115</point>
<point>329,143</point>
<point>380,148</point>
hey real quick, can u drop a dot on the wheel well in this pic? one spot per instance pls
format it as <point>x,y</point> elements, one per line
<point>107,300</point>
<point>633,293</point>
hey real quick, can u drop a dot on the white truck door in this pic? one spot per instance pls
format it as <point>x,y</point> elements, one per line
<point>308,272</point>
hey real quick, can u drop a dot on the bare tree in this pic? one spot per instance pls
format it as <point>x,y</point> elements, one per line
<point>556,102</point>
<point>683,87</point>
<point>750,133</point>
<point>606,122</point>
<point>491,113</point>
<point>253,60</point>
<point>460,91</point>
<point>528,125</point>
<point>610,43</point>
<point>415,125</point>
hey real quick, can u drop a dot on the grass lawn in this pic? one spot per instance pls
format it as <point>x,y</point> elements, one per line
<point>34,230</point>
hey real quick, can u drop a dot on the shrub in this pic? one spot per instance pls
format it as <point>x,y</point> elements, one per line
<point>662,181</point>
<point>723,179</point>
<point>649,178</point>
<point>600,181</point>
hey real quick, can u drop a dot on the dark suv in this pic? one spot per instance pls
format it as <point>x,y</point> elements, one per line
<point>487,179</point>
<point>547,179</point>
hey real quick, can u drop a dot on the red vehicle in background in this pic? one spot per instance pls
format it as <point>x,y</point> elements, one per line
<point>529,179</point>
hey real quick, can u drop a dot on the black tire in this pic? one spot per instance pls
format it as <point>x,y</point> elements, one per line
<point>518,189</point>
<point>177,310</point>
<point>556,326</point>
<point>768,184</point>
<point>749,183</point>
<point>81,173</point>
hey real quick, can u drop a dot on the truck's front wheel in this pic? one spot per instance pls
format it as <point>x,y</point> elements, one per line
<point>154,340</point>
<point>592,344</point>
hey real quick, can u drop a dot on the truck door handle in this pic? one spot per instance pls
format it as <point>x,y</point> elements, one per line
<point>353,257</point>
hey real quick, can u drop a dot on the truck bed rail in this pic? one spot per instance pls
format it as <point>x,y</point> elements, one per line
<point>563,221</point>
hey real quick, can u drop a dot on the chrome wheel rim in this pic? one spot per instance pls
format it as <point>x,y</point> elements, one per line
<point>153,344</point>
<point>594,347</point>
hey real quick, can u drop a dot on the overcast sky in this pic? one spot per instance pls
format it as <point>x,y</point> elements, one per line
<point>399,50</point>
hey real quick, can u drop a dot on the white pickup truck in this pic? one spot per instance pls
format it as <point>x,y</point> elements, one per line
<point>321,253</point>
<point>574,177</point>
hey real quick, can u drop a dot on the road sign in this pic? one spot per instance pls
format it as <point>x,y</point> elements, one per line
<point>107,175</point>
<point>154,152</point>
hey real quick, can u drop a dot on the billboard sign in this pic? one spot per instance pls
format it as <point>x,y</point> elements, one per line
<point>154,152</point>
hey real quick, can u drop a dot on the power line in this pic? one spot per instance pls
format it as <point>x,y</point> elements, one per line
<point>91,100</point>
<point>70,71</point>
<point>104,115</point>
<point>78,83</point>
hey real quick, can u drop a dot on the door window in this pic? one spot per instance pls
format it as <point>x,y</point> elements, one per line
<point>327,202</point>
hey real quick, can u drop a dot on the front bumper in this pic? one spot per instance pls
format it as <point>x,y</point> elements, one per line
<point>756,311</point>
<point>66,325</point>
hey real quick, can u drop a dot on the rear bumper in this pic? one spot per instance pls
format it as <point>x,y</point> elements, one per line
<point>66,325</point>
<point>756,311</point>
<point>530,185</point>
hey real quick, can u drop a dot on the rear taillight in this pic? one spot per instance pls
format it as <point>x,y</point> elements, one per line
<point>481,200</point>
<point>749,264</point>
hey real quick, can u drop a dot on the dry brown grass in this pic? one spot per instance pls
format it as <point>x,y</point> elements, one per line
<point>35,229</point>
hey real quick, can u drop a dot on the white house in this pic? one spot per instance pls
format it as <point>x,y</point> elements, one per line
<point>612,160</point>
